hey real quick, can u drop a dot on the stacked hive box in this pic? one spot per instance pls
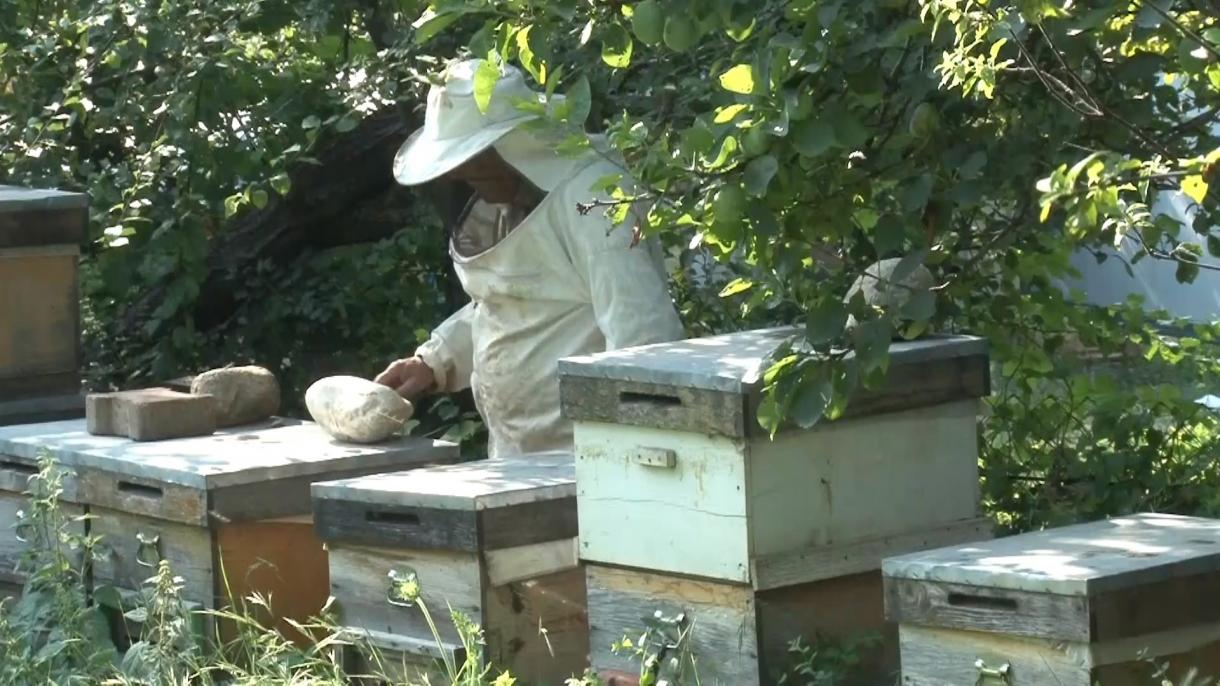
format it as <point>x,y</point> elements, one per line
<point>40,236</point>
<point>1108,602</point>
<point>229,512</point>
<point>688,508</point>
<point>493,539</point>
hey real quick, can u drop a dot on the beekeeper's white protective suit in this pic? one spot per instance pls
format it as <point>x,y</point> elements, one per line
<point>557,284</point>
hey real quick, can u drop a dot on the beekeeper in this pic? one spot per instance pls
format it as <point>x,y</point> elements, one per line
<point>546,281</point>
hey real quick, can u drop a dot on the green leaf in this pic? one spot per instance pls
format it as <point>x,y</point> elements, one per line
<point>259,198</point>
<point>345,124</point>
<point>616,47</point>
<point>529,60</point>
<point>758,174</point>
<point>736,286</point>
<point>921,306</point>
<point>1196,187</point>
<point>431,23</point>
<point>811,398</point>
<point>728,113</point>
<point>485,78</point>
<point>281,184</point>
<point>825,321</point>
<point>580,101</point>
<point>739,79</point>
<point>310,122</point>
<point>872,344</point>
<point>813,137</point>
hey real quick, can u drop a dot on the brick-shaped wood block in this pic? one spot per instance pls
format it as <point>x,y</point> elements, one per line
<point>493,539</point>
<point>1105,602</point>
<point>150,414</point>
<point>228,511</point>
<point>40,236</point>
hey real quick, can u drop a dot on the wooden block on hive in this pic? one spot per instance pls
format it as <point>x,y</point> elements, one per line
<point>150,414</point>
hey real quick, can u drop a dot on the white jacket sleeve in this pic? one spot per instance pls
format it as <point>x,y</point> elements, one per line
<point>627,285</point>
<point>449,352</point>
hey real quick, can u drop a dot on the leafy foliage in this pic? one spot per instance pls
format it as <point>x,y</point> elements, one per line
<point>798,141</point>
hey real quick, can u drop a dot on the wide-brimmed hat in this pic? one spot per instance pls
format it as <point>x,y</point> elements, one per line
<point>454,129</point>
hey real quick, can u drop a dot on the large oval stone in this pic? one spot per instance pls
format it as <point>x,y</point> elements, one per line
<point>357,410</point>
<point>242,394</point>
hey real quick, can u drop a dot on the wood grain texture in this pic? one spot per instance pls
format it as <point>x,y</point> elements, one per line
<point>290,496</point>
<point>1090,559</point>
<point>345,522</point>
<point>820,488</point>
<point>11,547</point>
<point>943,657</point>
<point>723,635</point>
<point>1158,606</point>
<point>527,523</point>
<point>645,404</point>
<point>828,562</point>
<point>15,473</point>
<point>974,608</point>
<point>39,292</point>
<point>538,628</point>
<point>143,496</point>
<point>379,659</point>
<point>281,561</point>
<point>839,609</point>
<point>689,519</point>
<point>529,561</point>
<point>187,548</point>
<point>359,581</point>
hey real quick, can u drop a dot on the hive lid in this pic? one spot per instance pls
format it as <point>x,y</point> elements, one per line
<point>714,385</point>
<point>18,199</point>
<point>1080,560</point>
<point>38,217</point>
<point>235,456</point>
<point>735,363</point>
<point>478,485</point>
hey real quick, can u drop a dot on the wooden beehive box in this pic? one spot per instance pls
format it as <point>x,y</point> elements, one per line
<point>493,539</point>
<point>40,236</point>
<point>688,507</point>
<point>230,511</point>
<point>1105,602</point>
<point>667,444</point>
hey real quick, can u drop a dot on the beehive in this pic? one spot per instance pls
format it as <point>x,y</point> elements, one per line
<point>1106,602</point>
<point>40,236</point>
<point>686,504</point>
<point>230,511</point>
<point>493,539</point>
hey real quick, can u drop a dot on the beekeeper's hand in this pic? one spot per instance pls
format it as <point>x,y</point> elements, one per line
<point>410,377</point>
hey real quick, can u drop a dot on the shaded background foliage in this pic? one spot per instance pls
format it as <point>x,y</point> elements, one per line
<point>236,154</point>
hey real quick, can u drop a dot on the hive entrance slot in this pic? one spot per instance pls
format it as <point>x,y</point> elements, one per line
<point>393,518</point>
<point>141,490</point>
<point>649,398</point>
<point>982,602</point>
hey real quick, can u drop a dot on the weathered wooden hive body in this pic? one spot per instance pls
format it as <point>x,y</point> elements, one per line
<point>230,511</point>
<point>687,506</point>
<point>40,236</point>
<point>493,539</point>
<point>1107,602</point>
